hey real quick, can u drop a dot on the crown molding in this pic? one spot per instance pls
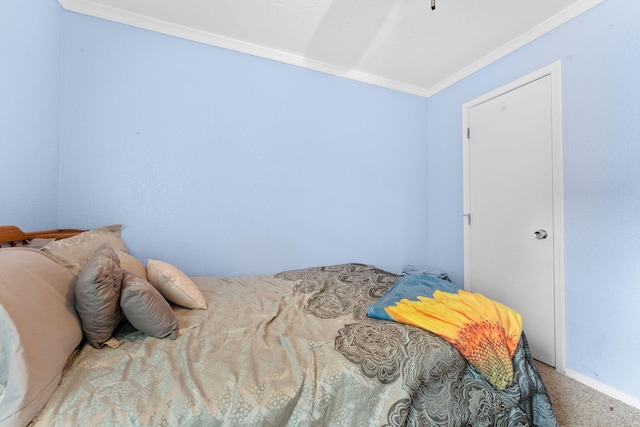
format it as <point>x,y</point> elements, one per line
<point>99,10</point>
<point>96,9</point>
<point>539,30</point>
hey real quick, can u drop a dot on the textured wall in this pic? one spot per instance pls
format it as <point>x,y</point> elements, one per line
<point>225,163</point>
<point>29,112</point>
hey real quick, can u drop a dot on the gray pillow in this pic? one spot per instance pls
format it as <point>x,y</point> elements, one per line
<point>39,329</point>
<point>39,243</point>
<point>98,295</point>
<point>146,309</point>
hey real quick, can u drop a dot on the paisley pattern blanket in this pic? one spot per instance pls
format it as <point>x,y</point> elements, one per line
<point>291,349</point>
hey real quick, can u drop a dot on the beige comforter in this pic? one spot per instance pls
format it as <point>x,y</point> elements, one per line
<point>293,349</point>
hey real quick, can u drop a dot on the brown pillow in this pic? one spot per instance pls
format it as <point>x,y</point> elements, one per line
<point>98,295</point>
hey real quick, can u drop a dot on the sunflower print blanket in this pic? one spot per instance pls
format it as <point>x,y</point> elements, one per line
<point>484,331</point>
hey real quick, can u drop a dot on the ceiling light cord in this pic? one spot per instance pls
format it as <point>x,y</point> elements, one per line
<point>433,4</point>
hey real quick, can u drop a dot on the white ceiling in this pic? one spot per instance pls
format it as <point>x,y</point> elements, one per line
<point>399,44</point>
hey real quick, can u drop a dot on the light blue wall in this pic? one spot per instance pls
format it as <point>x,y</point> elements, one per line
<point>600,58</point>
<point>29,106</point>
<point>224,163</point>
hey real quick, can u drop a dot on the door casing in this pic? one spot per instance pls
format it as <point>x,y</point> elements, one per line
<point>554,71</point>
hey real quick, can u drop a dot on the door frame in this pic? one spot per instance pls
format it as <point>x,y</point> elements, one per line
<point>554,72</point>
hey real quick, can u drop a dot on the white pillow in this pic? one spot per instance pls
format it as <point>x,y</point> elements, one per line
<point>174,285</point>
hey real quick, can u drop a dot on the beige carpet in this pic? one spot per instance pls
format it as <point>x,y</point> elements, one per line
<point>578,405</point>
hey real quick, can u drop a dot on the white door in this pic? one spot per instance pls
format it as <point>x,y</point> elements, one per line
<point>509,199</point>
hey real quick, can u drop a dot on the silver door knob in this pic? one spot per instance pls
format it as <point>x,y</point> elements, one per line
<point>541,234</point>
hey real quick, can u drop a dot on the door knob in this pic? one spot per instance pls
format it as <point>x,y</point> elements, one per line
<point>541,234</point>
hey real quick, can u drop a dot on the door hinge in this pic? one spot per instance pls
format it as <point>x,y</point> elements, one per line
<point>468,133</point>
<point>468,218</point>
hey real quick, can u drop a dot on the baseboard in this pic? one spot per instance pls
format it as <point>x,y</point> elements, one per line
<point>603,388</point>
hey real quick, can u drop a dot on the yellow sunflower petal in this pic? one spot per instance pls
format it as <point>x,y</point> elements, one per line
<point>429,315</point>
<point>484,331</point>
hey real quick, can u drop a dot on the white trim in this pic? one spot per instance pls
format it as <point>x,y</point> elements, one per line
<point>97,9</point>
<point>554,71</point>
<point>543,28</point>
<point>603,388</point>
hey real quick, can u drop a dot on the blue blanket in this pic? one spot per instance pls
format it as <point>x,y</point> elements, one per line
<point>409,287</point>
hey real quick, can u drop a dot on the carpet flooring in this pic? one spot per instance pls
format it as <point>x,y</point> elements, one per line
<point>578,405</point>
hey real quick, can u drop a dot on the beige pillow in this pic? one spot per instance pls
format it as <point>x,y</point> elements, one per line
<point>73,252</point>
<point>39,330</point>
<point>174,285</point>
<point>130,263</point>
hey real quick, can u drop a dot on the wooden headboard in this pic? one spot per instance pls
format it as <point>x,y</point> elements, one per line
<point>10,235</point>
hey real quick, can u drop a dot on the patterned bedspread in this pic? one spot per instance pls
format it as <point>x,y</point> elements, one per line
<point>294,349</point>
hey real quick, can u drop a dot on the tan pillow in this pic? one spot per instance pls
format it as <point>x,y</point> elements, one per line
<point>130,263</point>
<point>39,329</point>
<point>73,252</point>
<point>174,285</point>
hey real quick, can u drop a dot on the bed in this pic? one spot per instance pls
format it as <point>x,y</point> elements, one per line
<point>295,348</point>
